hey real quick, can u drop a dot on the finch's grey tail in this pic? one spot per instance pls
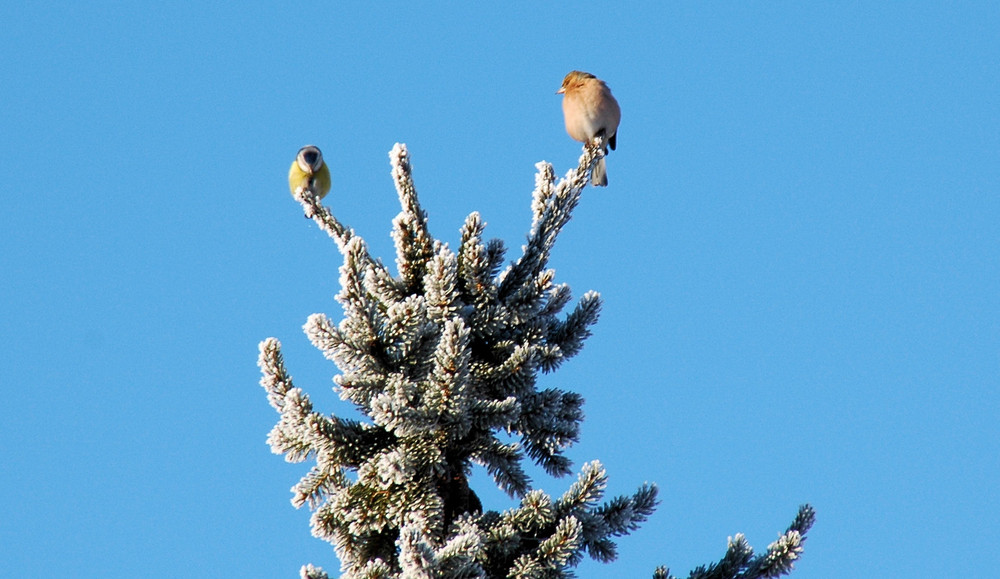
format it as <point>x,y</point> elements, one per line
<point>599,176</point>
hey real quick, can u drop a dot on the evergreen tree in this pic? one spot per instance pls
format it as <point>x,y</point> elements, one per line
<point>443,359</point>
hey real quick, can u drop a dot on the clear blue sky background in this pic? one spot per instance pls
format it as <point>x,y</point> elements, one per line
<point>798,252</point>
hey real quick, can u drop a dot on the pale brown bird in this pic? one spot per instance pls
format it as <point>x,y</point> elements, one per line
<point>591,113</point>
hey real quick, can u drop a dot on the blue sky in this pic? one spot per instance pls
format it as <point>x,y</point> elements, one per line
<point>798,253</point>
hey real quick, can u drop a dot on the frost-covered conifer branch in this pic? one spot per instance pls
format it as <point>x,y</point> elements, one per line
<point>552,207</point>
<point>739,561</point>
<point>619,516</point>
<point>566,337</point>
<point>319,213</point>
<point>414,244</point>
<point>457,559</point>
<point>503,463</point>
<point>781,554</point>
<point>550,421</point>
<point>474,268</point>
<point>274,377</point>
<point>441,285</point>
<point>624,514</point>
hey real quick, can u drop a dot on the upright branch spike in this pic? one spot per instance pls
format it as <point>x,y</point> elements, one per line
<point>274,377</point>
<point>557,550</point>
<point>441,284</point>
<point>739,561</point>
<point>364,316</point>
<point>587,490</point>
<point>552,210</point>
<point>414,244</point>
<point>545,180</point>
<point>781,555</point>
<point>475,269</point>
<point>804,520</point>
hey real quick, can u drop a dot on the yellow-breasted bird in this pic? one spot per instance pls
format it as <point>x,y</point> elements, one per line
<point>309,172</point>
<point>591,112</point>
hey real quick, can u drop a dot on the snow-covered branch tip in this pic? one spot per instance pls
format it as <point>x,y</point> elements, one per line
<point>739,561</point>
<point>414,243</point>
<point>552,208</point>
<point>319,213</point>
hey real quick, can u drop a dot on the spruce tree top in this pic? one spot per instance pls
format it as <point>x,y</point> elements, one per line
<point>443,358</point>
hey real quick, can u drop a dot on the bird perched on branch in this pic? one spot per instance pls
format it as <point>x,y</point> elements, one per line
<point>309,172</point>
<point>591,113</point>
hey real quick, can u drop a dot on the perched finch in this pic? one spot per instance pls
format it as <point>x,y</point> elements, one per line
<point>591,113</point>
<point>309,172</point>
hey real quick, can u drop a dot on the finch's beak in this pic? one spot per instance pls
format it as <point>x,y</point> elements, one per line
<point>561,90</point>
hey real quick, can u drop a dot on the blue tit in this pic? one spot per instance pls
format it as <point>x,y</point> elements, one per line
<point>309,172</point>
